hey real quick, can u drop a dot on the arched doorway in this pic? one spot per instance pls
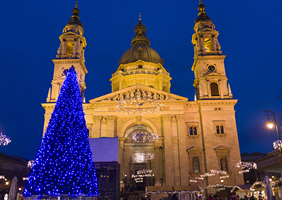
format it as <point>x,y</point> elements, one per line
<point>139,158</point>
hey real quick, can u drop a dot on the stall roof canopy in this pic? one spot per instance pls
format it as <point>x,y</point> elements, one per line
<point>240,187</point>
<point>169,189</point>
<point>104,149</point>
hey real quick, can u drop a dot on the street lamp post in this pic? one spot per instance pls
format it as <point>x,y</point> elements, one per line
<point>270,125</point>
<point>278,143</point>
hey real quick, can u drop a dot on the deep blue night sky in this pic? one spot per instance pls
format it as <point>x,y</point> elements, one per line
<point>250,34</point>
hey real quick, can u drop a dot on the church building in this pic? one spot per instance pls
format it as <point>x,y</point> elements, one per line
<point>197,140</point>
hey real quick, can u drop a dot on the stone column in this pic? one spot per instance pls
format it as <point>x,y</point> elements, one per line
<point>220,89</point>
<point>182,134</point>
<point>64,47</point>
<point>175,150</point>
<point>168,159</point>
<point>74,50</point>
<point>202,43</point>
<point>213,43</point>
<point>104,127</point>
<point>121,160</point>
<point>111,126</point>
<point>157,164</point>
<point>96,130</point>
<point>160,85</point>
<point>209,88</point>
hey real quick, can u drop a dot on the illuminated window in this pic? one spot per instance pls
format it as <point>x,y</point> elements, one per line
<point>214,89</point>
<point>196,165</point>
<point>69,48</point>
<point>208,44</point>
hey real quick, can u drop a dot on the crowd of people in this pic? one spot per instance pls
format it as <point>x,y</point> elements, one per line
<point>234,197</point>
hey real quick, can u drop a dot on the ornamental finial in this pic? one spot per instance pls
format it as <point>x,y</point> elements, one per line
<point>139,16</point>
<point>76,4</point>
<point>201,8</point>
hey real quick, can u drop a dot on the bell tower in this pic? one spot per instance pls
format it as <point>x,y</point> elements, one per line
<point>209,69</point>
<point>70,52</point>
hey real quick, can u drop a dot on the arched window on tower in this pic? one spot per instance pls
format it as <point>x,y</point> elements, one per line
<point>223,164</point>
<point>214,89</point>
<point>69,48</point>
<point>208,44</point>
<point>165,89</point>
<point>196,165</point>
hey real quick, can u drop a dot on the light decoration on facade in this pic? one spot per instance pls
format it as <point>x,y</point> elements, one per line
<point>144,136</point>
<point>216,186</point>
<point>2,177</point>
<point>207,174</point>
<point>199,178</point>
<point>214,171</point>
<point>138,178</point>
<point>143,157</point>
<point>277,144</point>
<point>4,139</point>
<point>193,181</point>
<point>25,178</point>
<point>245,166</point>
<point>30,164</point>
<point>219,187</point>
<point>139,102</point>
<point>244,171</point>
<point>222,177</point>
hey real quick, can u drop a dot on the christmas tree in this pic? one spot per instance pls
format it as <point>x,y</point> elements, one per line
<point>63,165</point>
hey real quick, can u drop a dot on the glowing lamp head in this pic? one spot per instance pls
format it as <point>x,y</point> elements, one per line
<point>270,125</point>
<point>222,181</point>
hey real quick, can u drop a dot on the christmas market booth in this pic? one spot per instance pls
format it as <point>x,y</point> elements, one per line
<point>184,192</point>
<point>241,190</point>
<point>258,189</point>
<point>277,188</point>
<point>220,190</point>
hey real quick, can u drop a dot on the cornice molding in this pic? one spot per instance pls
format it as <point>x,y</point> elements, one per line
<point>211,57</point>
<point>71,61</point>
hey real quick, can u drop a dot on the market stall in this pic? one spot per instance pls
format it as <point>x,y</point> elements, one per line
<point>241,190</point>
<point>277,188</point>
<point>258,189</point>
<point>183,192</point>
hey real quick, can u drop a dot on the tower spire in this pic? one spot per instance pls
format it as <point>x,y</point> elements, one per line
<point>75,18</point>
<point>202,12</point>
<point>140,34</point>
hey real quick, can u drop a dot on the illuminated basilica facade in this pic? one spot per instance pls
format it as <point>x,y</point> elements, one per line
<point>195,136</point>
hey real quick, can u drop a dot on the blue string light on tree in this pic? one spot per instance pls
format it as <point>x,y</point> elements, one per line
<point>63,165</point>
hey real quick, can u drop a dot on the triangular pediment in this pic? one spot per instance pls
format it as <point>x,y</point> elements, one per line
<point>222,148</point>
<point>194,149</point>
<point>138,90</point>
